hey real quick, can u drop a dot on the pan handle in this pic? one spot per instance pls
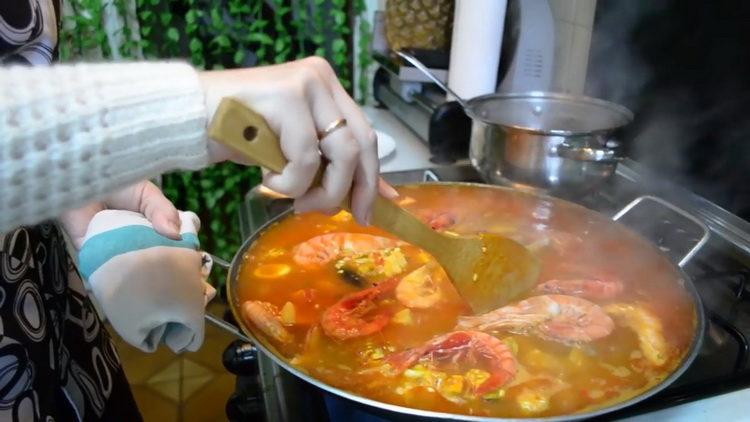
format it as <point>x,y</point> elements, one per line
<point>422,68</point>
<point>223,263</point>
<point>217,321</point>
<point>229,328</point>
<point>704,228</point>
<point>584,153</point>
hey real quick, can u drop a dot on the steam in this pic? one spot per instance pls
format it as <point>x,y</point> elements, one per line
<point>620,77</point>
<point>690,126</point>
<point>659,142</point>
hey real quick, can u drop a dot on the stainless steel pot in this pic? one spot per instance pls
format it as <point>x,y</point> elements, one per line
<point>541,141</point>
<point>398,413</point>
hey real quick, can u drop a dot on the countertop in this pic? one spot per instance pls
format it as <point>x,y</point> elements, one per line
<point>734,406</point>
<point>410,153</point>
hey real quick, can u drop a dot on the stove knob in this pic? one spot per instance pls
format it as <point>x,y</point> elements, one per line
<point>241,358</point>
<point>245,407</point>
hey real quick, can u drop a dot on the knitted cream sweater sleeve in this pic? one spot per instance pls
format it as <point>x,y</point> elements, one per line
<point>69,134</point>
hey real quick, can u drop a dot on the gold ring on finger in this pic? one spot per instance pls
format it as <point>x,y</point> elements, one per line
<point>334,126</point>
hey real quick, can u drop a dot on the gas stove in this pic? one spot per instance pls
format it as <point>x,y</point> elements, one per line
<point>678,221</point>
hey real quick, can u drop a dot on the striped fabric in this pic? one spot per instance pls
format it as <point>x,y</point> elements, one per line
<point>152,289</point>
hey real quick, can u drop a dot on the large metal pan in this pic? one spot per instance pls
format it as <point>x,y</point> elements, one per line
<point>393,412</point>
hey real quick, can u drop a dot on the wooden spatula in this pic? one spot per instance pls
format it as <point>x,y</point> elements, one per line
<point>487,270</point>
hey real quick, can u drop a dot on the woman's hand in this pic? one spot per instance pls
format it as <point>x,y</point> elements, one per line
<point>299,99</point>
<point>144,197</point>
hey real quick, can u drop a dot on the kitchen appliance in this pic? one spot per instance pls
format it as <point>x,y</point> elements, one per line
<point>545,47</point>
<point>422,107</point>
<point>721,272</point>
<point>553,143</point>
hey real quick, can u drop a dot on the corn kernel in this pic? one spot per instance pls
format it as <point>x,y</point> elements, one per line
<point>423,257</point>
<point>452,386</point>
<point>621,372</point>
<point>377,354</point>
<point>413,373</point>
<point>403,317</point>
<point>532,401</point>
<point>512,344</point>
<point>288,314</point>
<point>495,395</point>
<point>476,377</point>
<point>408,200</point>
<point>342,217</point>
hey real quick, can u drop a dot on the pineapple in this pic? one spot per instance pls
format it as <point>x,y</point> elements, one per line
<point>418,24</point>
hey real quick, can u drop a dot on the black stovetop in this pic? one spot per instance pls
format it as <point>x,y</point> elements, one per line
<point>720,271</point>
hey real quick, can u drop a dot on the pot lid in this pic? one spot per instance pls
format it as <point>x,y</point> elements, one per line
<point>549,113</point>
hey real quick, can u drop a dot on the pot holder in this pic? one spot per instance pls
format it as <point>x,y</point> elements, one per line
<point>152,289</point>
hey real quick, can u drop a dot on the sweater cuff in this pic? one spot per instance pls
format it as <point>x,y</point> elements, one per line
<point>157,106</point>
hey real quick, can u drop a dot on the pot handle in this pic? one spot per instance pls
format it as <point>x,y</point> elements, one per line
<point>578,153</point>
<point>698,222</point>
<point>218,321</point>
<point>422,68</point>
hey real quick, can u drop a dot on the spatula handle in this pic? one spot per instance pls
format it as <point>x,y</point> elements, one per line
<point>238,127</point>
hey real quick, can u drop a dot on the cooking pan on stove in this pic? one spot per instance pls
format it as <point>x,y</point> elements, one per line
<point>541,141</point>
<point>394,412</point>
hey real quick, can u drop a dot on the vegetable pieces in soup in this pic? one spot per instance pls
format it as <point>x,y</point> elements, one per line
<point>362,311</point>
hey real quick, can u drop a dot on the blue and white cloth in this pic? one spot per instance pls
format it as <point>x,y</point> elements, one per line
<point>152,289</point>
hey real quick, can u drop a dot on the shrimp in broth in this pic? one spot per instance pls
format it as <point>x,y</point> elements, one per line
<point>362,311</point>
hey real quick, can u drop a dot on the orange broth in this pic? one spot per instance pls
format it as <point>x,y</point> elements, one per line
<point>552,379</point>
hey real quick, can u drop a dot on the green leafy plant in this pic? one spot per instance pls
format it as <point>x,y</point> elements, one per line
<point>364,56</point>
<point>219,34</point>
<point>82,31</point>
